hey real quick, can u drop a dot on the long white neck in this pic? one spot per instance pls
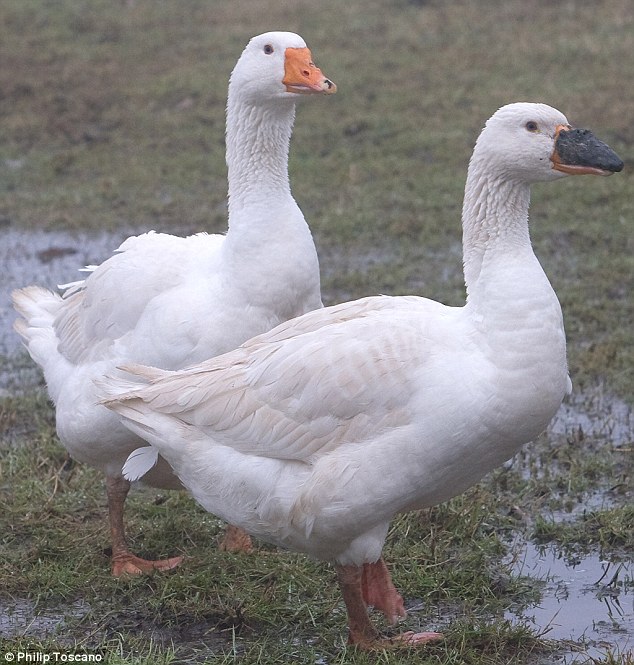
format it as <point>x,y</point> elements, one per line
<point>258,139</point>
<point>514,314</point>
<point>268,251</point>
<point>509,297</point>
<point>495,227</point>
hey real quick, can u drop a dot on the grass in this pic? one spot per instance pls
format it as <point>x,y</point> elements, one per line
<point>113,117</point>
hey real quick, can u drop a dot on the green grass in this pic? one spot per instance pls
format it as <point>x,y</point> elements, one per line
<point>112,116</point>
<point>606,528</point>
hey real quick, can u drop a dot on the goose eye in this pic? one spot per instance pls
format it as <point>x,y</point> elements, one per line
<point>531,126</point>
<point>268,49</point>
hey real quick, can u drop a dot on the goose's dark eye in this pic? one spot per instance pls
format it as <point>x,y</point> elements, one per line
<point>268,49</point>
<point>531,126</point>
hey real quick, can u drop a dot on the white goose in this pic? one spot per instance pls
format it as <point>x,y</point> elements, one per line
<point>172,301</point>
<point>314,435</point>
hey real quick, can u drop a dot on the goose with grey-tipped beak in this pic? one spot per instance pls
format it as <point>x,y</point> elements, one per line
<point>170,301</point>
<point>314,435</point>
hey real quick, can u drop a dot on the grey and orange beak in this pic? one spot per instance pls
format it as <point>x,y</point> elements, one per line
<point>579,152</point>
<point>302,76</point>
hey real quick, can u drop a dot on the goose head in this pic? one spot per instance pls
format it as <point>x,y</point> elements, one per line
<point>277,65</point>
<point>535,142</point>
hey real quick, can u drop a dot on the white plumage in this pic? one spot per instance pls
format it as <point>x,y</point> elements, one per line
<point>171,301</point>
<point>314,435</point>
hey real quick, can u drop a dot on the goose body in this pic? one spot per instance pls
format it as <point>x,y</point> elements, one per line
<point>170,301</point>
<point>418,409</point>
<point>314,435</point>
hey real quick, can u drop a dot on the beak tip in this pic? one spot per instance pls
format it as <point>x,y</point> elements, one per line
<point>618,167</point>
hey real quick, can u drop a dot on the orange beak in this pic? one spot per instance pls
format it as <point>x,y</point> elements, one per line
<point>302,76</point>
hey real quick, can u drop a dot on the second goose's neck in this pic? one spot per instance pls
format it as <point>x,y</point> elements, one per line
<point>258,139</point>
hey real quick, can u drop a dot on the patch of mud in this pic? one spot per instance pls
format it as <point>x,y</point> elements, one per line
<point>22,618</point>
<point>586,603</point>
<point>422,270</point>
<point>73,622</point>
<point>43,258</point>
<point>337,265</point>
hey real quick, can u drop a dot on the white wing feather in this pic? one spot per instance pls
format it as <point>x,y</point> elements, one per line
<point>294,396</point>
<point>96,312</point>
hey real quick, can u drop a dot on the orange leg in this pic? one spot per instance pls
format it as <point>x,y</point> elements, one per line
<point>379,591</point>
<point>123,561</point>
<point>236,540</point>
<point>361,632</point>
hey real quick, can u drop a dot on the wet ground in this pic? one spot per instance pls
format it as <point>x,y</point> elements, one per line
<point>47,259</point>
<point>584,600</point>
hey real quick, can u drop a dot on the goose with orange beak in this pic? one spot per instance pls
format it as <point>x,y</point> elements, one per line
<point>171,301</point>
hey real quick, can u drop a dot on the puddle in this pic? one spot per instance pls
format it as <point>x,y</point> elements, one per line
<point>588,601</point>
<point>22,618</point>
<point>593,423</point>
<point>47,259</point>
<point>597,416</point>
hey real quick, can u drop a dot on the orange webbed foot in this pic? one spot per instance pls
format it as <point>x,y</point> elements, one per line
<point>415,639</point>
<point>404,640</point>
<point>128,564</point>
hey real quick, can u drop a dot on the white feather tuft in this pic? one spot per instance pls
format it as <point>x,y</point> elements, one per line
<point>139,462</point>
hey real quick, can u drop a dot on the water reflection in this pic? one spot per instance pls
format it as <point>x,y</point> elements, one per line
<point>584,599</point>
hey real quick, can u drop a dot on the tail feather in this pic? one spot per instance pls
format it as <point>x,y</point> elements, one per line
<point>38,309</point>
<point>21,327</point>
